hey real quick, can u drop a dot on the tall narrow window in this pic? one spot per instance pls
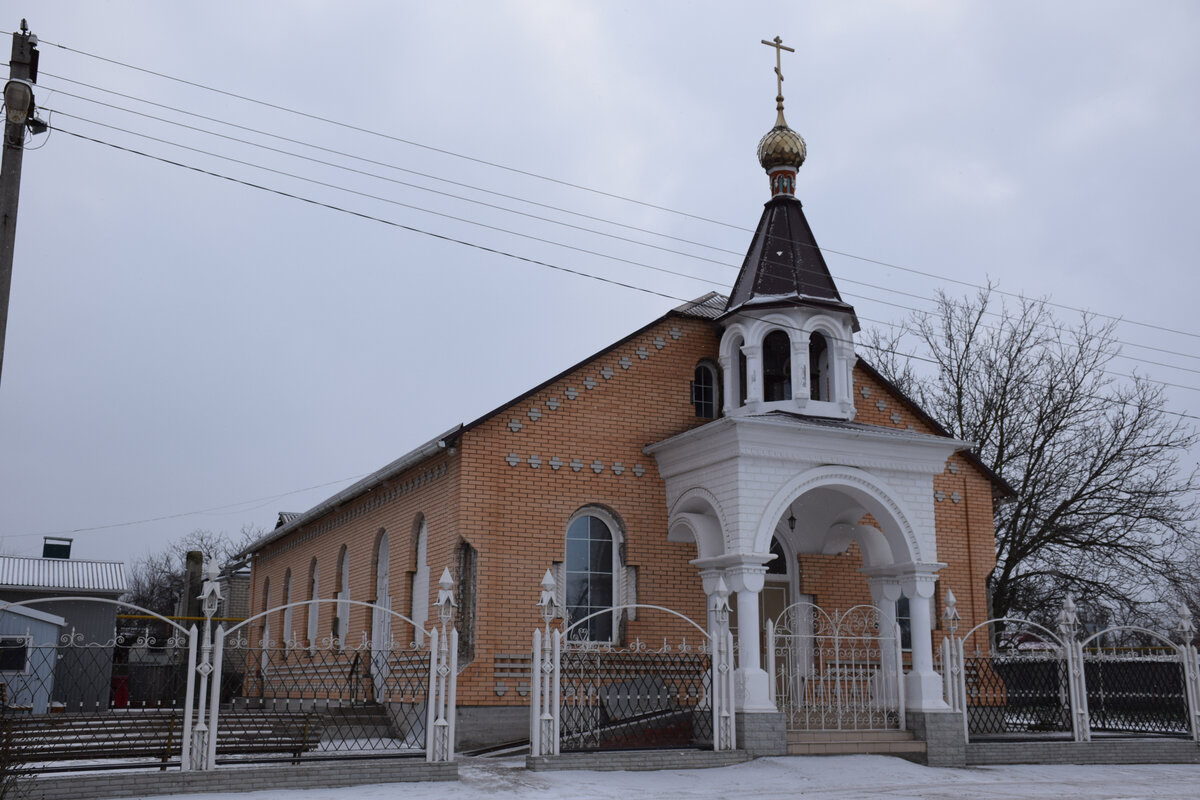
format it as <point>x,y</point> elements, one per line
<point>777,367</point>
<point>818,368</point>
<point>341,620</point>
<point>467,571</point>
<point>704,391</point>
<point>286,632</point>
<point>381,622</point>
<point>313,607</point>
<point>266,604</point>
<point>741,387</point>
<point>419,595</point>
<point>589,573</point>
<point>904,621</point>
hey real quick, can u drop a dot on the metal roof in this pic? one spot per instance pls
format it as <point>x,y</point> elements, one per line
<point>62,574</point>
<point>784,266</point>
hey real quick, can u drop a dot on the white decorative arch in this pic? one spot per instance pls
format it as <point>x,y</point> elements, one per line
<point>697,517</point>
<point>879,499</point>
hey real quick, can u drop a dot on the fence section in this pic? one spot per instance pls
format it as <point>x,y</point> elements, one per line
<point>1014,678</point>
<point>67,696</point>
<point>589,696</point>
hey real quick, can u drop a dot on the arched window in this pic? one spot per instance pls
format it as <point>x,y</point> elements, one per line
<point>777,367</point>
<point>704,391</point>
<point>286,632</point>
<point>419,595</point>
<point>778,565</point>
<point>266,628</point>
<point>818,368</point>
<point>341,620</point>
<point>313,606</point>
<point>467,574</point>
<point>736,390</point>
<point>380,620</point>
<point>590,568</point>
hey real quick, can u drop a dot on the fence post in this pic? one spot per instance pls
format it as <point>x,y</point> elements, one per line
<point>722,672</point>
<point>444,666</point>
<point>535,694</point>
<point>1068,622</point>
<point>210,597</point>
<point>215,702</point>
<point>1191,669</point>
<point>185,755</point>
<point>544,677</point>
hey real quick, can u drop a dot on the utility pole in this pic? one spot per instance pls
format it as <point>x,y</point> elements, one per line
<point>19,116</point>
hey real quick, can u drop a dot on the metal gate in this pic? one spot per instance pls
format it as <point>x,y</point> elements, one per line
<point>1136,683</point>
<point>589,696</point>
<point>1013,678</point>
<point>329,698</point>
<point>67,696</point>
<point>835,670</point>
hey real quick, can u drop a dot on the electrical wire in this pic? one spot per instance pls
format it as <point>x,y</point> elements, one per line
<point>842,279</point>
<point>527,173</point>
<point>690,276</point>
<point>496,251</point>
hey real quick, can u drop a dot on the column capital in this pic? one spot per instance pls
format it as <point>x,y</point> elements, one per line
<point>746,577</point>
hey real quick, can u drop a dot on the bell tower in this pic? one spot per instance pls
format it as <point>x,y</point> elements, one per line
<point>788,343</point>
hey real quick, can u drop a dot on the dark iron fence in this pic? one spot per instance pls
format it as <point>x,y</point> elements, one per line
<point>76,700</point>
<point>635,697</point>
<point>322,701</point>
<point>1015,692</point>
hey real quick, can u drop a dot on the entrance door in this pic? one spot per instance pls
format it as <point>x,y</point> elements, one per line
<point>776,595</point>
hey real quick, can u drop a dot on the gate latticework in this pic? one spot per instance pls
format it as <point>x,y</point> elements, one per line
<point>589,696</point>
<point>835,671</point>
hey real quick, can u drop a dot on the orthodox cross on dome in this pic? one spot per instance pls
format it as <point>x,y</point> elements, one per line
<point>779,46</point>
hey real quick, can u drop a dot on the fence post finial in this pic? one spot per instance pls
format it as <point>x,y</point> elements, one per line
<point>445,598</point>
<point>1185,627</point>
<point>1068,619</point>
<point>951,615</point>
<point>546,600</point>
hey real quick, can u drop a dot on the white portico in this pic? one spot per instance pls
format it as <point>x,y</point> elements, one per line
<point>733,484</point>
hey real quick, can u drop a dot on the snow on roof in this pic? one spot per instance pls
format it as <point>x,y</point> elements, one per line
<point>62,574</point>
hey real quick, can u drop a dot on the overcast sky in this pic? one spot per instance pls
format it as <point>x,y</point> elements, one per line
<point>199,353</point>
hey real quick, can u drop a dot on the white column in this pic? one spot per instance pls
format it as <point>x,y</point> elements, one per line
<point>754,385</point>
<point>753,688</point>
<point>800,376</point>
<point>922,686</point>
<point>729,381</point>
<point>885,591</point>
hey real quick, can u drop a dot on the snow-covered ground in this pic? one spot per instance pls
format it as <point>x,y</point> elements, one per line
<point>811,778</point>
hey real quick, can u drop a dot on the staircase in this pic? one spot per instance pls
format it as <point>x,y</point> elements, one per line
<point>357,722</point>
<point>898,743</point>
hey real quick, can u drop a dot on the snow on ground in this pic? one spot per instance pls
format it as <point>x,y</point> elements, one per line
<point>810,778</point>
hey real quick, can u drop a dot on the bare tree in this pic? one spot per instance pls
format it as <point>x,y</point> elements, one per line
<point>1103,506</point>
<point>157,579</point>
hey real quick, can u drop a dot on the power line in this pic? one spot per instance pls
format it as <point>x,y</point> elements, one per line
<point>231,507</point>
<point>412,143</point>
<point>495,251</point>
<point>842,279</point>
<point>392,138</point>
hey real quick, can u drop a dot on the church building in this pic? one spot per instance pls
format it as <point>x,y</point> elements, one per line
<point>737,439</point>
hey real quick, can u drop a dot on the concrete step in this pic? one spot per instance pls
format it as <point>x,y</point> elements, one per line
<point>802,743</point>
<point>800,737</point>
<point>854,748</point>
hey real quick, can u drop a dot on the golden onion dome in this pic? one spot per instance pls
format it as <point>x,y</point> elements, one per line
<point>781,147</point>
